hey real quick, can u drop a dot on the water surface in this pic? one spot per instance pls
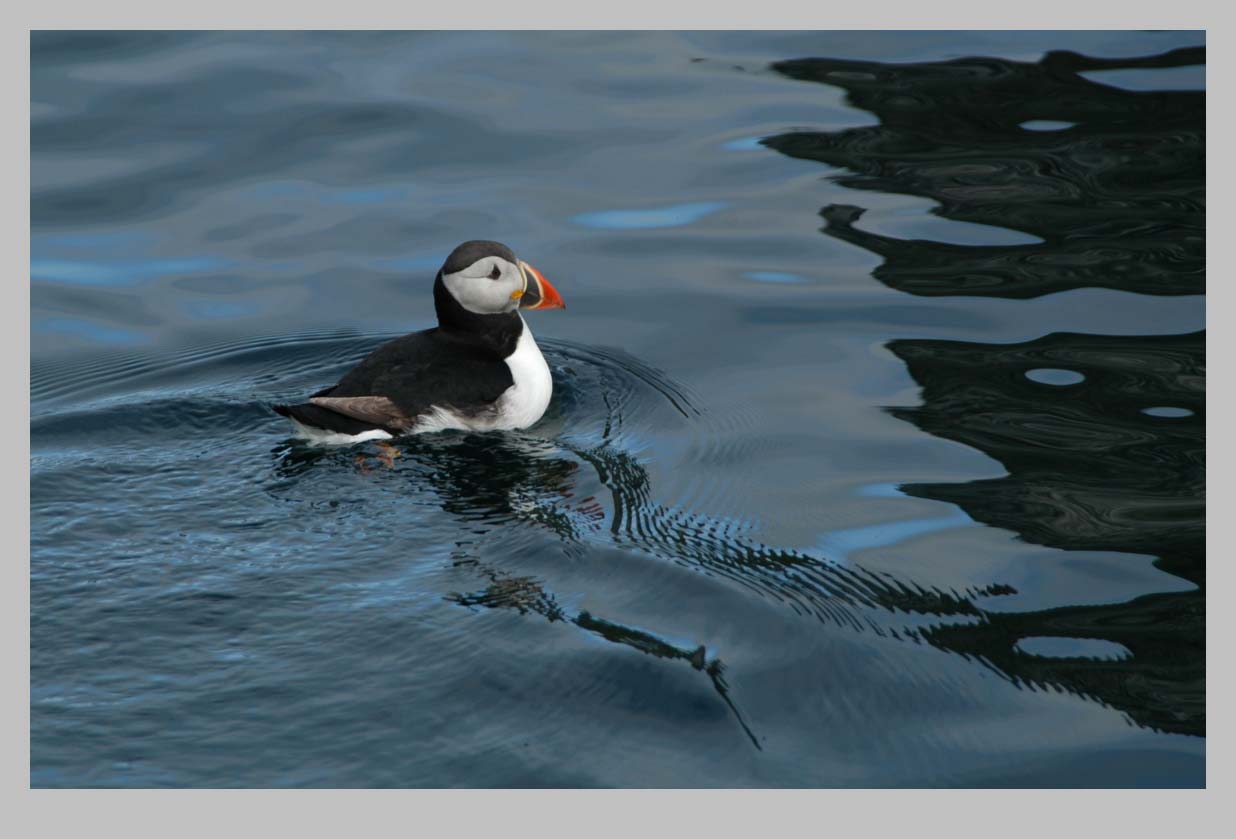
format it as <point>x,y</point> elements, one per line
<point>876,456</point>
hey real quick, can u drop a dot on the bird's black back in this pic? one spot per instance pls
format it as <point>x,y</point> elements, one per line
<point>434,367</point>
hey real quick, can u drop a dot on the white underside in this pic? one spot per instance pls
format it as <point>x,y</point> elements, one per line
<point>322,437</point>
<point>520,406</point>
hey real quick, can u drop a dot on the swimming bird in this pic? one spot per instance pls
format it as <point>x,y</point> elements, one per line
<point>480,369</point>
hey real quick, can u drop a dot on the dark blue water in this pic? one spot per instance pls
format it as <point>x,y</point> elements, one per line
<point>876,455</point>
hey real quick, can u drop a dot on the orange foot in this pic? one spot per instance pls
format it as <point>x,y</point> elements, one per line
<point>387,454</point>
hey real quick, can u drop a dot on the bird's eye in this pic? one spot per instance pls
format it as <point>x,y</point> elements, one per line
<point>496,273</point>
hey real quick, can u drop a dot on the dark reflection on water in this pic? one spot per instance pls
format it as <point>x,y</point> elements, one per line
<point>1088,470</point>
<point>1118,198</point>
<point>1116,192</point>
<point>801,529</point>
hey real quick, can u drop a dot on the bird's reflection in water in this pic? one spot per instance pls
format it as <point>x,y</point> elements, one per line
<point>505,477</point>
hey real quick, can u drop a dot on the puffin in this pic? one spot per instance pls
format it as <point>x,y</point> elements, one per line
<point>479,369</point>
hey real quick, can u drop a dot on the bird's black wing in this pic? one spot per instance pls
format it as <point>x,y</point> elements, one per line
<point>405,378</point>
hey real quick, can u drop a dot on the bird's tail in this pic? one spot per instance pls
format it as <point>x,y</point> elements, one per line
<point>316,416</point>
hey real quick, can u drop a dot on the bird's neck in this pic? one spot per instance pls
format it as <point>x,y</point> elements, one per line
<point>499,332</point>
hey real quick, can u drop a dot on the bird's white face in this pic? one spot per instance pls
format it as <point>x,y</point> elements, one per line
<point>489,286</point>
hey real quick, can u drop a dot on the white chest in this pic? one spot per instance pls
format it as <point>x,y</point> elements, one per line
<point>525,401</point>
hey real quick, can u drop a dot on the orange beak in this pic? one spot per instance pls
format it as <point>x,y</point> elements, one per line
<point>539,294</point>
